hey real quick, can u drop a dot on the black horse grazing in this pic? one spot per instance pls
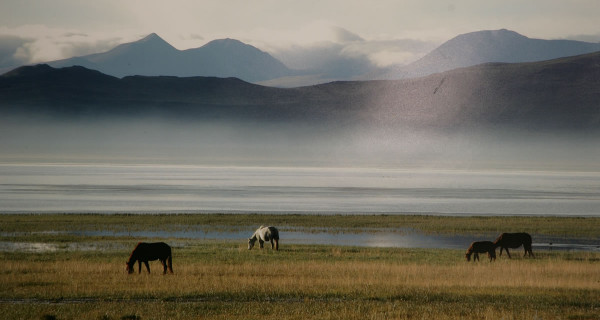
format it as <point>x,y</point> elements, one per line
<point>478,247</point>
<point>145,252</point>
<point>513,241</point>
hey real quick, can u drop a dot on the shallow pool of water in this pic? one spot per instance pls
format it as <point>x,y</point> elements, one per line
<point>319,236</point>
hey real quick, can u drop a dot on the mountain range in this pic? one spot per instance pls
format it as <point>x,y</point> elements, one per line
<point>489,46</point>
<point>548,95</point>
<point>152,56</point>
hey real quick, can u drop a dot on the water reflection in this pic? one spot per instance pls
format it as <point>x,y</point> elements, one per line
<point>39,247</point>
<point>371,238</point>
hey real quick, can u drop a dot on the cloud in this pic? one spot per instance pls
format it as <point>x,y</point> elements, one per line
<point>83,46</point>
<point>345,54</point>
<point>37,44</point>
<point>335,52</point>
<point>343,35</point>
<point>384,53</point>
<point>585,37</point>
<point>325,58</point>
<point>13,51</point>
<point>75,34</point>
<point>196,36</point>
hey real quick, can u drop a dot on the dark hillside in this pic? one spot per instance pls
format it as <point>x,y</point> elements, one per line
<point>562,93</point>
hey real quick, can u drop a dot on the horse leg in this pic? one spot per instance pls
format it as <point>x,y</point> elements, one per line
<point>492,255</point>
<point>277,244</point>
<point>508,253</point>
<point>476,257</point>
<point>147,266</point>
<point>528,250</point>
<point>164,264</point>
<point>139,266</point>
<point>261,243</point>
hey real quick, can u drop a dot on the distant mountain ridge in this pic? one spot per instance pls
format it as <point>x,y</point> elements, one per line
<point>486,46</point>
<point>152,56</point>
<point>548,95</point>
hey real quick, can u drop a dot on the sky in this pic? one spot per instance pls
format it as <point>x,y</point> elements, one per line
<point>302,34</point>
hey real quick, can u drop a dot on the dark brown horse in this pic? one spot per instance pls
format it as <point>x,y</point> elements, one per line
<point>513,241</point>
<point>145,252</point>
<point>478,247</point>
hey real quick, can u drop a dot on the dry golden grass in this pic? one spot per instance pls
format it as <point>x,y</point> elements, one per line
<point>77,279</point>
<point>306,288</point>
<point>223,280</point>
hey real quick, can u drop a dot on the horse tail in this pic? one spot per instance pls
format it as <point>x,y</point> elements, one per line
<point>527,244</point>
<point>169,259</point>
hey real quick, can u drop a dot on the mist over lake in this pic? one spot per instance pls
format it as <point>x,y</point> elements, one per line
<point>497,138</point>
<point>156,165</point>
<point>187,188</point>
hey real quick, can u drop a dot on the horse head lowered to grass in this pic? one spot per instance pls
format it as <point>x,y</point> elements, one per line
<point>145,252</point>
<point>478,247</point>
<point>513,241</point>
<point>264,234</point>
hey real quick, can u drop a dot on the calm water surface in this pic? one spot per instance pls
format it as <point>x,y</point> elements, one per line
<point>162,188</point>
<point>366,238</point>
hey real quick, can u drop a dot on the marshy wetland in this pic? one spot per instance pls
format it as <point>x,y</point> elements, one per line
<point>74,268</point>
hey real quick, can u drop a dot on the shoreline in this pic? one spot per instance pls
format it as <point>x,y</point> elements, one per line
<point>291,213</point>
<point>392,231</point>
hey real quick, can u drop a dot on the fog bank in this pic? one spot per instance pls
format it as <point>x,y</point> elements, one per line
<point>291,144</point>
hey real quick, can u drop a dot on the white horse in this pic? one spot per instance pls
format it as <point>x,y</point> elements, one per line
<point>263,234</point>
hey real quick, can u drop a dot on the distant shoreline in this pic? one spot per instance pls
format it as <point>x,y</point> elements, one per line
<point>287,212</point>
<point>551,226</point>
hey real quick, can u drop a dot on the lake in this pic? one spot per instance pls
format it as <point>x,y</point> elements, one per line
<point>91,188</point>
<point>391,238</point>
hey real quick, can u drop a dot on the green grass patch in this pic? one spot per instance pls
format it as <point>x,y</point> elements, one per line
<point>15,224</point>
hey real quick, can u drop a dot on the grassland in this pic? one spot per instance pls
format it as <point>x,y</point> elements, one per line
<point>585,227</point>
<point>223,280</point>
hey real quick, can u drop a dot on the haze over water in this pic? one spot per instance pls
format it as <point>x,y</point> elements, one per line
<point>187,188</point>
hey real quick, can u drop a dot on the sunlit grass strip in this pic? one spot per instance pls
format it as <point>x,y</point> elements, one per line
<point>291,278</point>
<point>585,227</point>
<point>226,281</point>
